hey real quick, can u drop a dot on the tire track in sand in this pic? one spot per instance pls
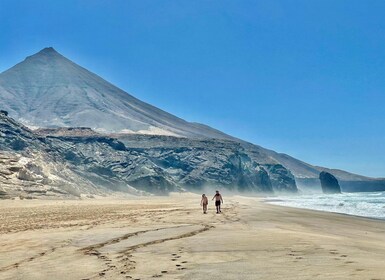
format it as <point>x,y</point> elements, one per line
<point>30,259</point>
<point>124,256</point>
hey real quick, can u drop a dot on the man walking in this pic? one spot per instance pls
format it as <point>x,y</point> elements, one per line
<point>218,201</point>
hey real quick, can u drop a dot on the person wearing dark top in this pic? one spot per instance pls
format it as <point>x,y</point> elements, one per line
<point>218,201</point>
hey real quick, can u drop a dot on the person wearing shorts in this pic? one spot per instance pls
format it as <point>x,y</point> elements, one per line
<point>218,201</point>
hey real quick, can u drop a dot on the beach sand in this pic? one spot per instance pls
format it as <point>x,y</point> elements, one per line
<point>170,238</point>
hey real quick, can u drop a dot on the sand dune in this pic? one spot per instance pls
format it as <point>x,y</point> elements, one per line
<point>169,238</point>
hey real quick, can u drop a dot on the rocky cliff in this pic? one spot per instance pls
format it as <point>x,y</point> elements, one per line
<point>30,166</point>
<point>74,161</point>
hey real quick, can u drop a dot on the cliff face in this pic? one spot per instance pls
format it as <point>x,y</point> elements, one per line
<point>329,183</point>
<point>211,162</point>
<point>31,166</point>
<point>73,161</point>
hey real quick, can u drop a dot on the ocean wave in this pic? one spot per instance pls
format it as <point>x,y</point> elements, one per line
<point>370,205</point>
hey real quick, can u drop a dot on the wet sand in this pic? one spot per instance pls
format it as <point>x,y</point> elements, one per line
<point>170,238</point>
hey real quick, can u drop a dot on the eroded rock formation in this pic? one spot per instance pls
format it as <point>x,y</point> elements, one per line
<point>329,183</point>
<point>77,161</point>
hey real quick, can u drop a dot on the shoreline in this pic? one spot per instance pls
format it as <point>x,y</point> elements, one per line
<point>368,205</point>
<point>170,238</point>
<point>325,211</point>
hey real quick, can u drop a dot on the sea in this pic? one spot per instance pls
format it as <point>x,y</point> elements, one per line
<point>364,204</point>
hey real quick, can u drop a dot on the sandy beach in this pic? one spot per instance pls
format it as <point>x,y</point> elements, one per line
<point>170,238</point>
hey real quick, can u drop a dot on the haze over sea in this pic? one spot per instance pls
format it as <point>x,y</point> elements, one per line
<point>368,204</point>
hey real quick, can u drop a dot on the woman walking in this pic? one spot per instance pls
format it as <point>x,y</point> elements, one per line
<point>204,203</point>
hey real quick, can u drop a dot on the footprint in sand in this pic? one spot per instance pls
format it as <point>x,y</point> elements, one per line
<point>184,262</point>
<point>164,271</point>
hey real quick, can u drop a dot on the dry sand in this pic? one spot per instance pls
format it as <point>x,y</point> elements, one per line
<point>170,238</point>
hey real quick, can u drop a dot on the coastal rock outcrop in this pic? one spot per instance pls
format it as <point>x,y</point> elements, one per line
<point>329,183</point>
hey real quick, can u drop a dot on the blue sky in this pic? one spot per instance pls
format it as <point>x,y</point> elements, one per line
<point>301,77</point>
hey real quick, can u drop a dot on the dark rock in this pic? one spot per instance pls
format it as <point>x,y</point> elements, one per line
<point>329,183</point>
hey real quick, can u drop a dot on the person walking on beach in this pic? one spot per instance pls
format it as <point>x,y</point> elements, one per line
<point>218,200</point>
<point>204,203</point>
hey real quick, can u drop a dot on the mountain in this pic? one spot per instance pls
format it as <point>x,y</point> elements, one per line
<point>49,90</point>
<point>75,108</point>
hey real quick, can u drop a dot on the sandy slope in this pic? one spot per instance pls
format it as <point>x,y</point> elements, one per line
<point>169,238</point>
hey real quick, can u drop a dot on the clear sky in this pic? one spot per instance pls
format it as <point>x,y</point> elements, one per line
<point>301,77</point>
